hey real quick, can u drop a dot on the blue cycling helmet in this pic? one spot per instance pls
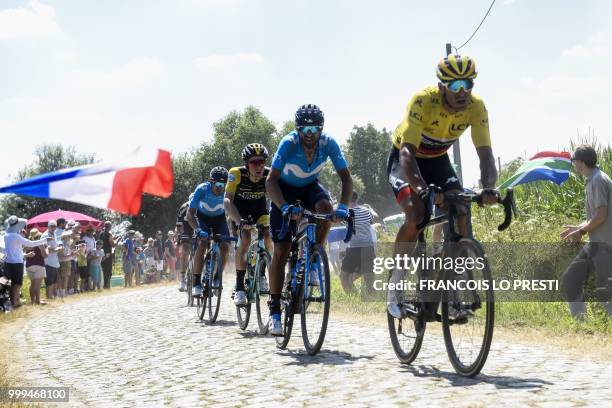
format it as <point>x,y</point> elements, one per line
<point>219,174</point>
<point>309,115</point>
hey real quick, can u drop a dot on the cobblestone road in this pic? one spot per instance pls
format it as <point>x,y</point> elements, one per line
<point>145,349</point>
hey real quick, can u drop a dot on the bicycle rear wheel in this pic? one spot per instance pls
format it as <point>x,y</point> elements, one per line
<point>315,304</point>
<point>289,303</point>
<point>468,316</point>
<point>406,334</point>
<point>262,299</point>
<point>214,288</point>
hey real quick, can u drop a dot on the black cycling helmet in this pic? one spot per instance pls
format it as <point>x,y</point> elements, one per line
<point>219,174</point>
<point>254,149</point>
<point>309,115</point>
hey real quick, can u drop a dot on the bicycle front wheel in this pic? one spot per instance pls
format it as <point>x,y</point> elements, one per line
<point>262,298</point>
<point>468,315</point>
<point>316,301</point>
<point>289,303</point>
<point>214,288</point>
<point>189,283</point>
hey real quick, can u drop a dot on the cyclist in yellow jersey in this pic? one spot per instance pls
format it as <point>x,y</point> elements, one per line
<point>245,199</point>
<point>434,119</point>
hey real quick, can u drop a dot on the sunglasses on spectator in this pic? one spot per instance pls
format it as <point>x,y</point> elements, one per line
<point>257,162</point>
<point>458,84</point>
<point>311,129</point>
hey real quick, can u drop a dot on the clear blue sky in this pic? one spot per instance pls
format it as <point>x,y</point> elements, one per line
<point>106,76</point>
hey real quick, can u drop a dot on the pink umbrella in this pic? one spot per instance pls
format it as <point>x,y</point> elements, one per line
<point>41,220</point>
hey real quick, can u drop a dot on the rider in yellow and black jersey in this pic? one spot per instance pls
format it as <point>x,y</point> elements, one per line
<point>430,127</point>
<point>434,119</point>
<point>245,199</point>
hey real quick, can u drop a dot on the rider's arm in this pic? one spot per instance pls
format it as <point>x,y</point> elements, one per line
<point>408,134</point>
<point>273,188</point>
<point>347,185</point>
<point>193,207</point>
<point>488,171</point>
<point>233,181</point>
<point>341,166</point>
<point>230,207</point>
<point>479,124</point>
<point>411,168</point>
<point>191,218</point>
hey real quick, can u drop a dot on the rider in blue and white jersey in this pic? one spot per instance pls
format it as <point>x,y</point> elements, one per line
<point>206,216</point>
<point>300,157</point>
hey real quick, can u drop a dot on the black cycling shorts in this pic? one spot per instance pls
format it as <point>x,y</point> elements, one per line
<point>437,171</point>
<point>308,196</point>
<point>359,260</point>
<point>213,224</point>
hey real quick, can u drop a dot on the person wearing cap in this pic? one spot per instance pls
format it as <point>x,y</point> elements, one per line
<point>108,244</point>
<point>596,255</point>
<point>129,258</point>
<point>14,243</point>
<point>52,264</point>
<point>35,267</point>
<point>170,255</point>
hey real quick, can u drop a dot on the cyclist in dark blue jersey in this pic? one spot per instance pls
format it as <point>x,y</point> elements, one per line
<point>300,157</point>
<point>206,216</point>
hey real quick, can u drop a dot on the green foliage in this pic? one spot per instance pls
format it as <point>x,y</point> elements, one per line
<point>366,150</point>
<point>546,200</point>
<point>230,134</point>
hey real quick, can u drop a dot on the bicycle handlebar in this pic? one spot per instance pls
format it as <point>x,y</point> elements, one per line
<point>350,220</point>
<point>507,202</point>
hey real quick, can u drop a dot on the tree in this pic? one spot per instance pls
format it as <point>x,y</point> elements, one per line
<point>230,134</point>
<point>48,157</point>
<point>366,150</point>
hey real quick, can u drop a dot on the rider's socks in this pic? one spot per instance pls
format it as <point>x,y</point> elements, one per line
<point>197,279</point>
<point>240,279</point>
<point>275,304</point>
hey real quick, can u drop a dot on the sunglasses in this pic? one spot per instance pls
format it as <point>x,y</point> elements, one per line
<point>311,129</point>
<point>458,84</point>
<point>219,184</point>
<point>257,162</point>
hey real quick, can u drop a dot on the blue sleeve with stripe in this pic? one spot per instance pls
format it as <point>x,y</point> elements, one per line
<point>282,153</point>
<point>335,154</point>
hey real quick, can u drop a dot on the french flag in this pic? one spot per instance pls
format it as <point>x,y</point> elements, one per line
<point>114,186</point>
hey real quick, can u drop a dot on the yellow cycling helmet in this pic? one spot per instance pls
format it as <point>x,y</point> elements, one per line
<point>456,66</point>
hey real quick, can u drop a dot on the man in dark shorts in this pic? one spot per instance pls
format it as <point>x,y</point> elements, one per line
<point>108,243</point>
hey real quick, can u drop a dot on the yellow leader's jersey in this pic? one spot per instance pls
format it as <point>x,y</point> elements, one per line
<point>429,127</point>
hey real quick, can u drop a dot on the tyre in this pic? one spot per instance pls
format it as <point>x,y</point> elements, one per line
<point>189,283</point>
<point>468,338</point>
<point>262,299</point>
<point>316,301</point>
<point>214,289</point>
<point>407,334</point>
<point>289,305</point>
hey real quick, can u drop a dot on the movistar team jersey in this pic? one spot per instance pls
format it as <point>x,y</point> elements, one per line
<point>206,202</point>
<point>429,127</point>
<point>290,159</point>
<point>244,190</point>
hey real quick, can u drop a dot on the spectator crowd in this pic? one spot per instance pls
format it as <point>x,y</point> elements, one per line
<point>70,258</point>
